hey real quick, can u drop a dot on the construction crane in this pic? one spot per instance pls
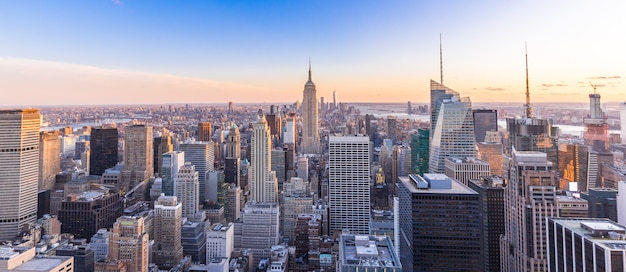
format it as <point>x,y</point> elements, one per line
<point>593,86</point>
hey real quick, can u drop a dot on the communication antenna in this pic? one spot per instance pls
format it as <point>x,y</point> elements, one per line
<point>529,109</point>
<point>440,61</point>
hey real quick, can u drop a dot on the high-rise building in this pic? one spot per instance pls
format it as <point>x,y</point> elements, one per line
<point>138,156</point>
<point>103,150</point>
<point>262,181</point>
<point>530,134</point>
<point>530,198</point>
<point>585,244</point>
<point>596,128</point>
<point>161,145</point>
<point>100,244</point>
<point>233,142</point>
<point>84,214</point>
<point>49,159</point>
<point>232,170</point>
<point>201,155</point>
<point>438,218</point>
<point>310,130</point>
<point>602,203</point>
<point>193,240</point>
<point>622,118</point>
<point>128,243</point>
<point>491,194</point>
<point>205,131</point>
<point>187,189</point>
<point>484,120</point>
<point>289,130</point>
<point>258,229</point>
<point>172,162</point>
<point>491,152</point>
<point>349,183</point>
<point>392,126</point>
<point>233,206</point>
<point>420,151</point>
<point>438,93</point>
<point>167,250</point>
<point>19,169</point>
<point>279,166</point>
<point>220,241</point>
<point>453,135</point>
<point>464,169</point>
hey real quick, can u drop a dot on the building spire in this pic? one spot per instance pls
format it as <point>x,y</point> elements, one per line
<point>528,107</point>
<point>440,61</point>
<point>310,69</point>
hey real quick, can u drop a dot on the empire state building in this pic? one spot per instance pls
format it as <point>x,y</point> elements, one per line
<point>310,131</point>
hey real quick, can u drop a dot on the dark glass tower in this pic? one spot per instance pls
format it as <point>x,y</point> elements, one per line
<point>103,150</point>
<point>484,120</point>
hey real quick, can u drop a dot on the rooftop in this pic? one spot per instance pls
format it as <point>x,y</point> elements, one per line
<point>424,185</point>
<point>370,251</point>
<point>601,231</point>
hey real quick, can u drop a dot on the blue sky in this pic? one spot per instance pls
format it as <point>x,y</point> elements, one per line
<point>64,52</point>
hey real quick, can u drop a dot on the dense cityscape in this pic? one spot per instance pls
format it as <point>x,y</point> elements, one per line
<point>316,185</point>
<point>194,136</point>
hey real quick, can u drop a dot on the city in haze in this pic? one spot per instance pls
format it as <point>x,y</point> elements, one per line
<point>158,52</point>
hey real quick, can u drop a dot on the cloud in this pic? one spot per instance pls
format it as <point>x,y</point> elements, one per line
<point>548,85</point>
<point>117,2</point>
<point>605,77</point>
<point>494,89</point>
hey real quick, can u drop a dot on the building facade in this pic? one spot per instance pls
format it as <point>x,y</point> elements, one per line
<point>262,181</point>
<point>310,125</point>
<point>103,144</point>
<point>349,183</point>
<point>167,251</point>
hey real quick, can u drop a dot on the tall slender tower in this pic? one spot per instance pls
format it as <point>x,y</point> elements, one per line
<point>19,169</point>
<point>49,159</point>
<point>310,131</point>
<point>138,154</point>
<point>349,183</point>
<point>263,182</point>
<point>233,142</point>
<point>187,189</point>
<point>453,134</point>
<point>103,144</point>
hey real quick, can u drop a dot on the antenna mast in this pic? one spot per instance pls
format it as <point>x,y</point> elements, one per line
<point>440,61</point>
<point>529,109</point>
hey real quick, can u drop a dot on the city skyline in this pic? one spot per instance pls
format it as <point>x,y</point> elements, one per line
<point>121,52</point>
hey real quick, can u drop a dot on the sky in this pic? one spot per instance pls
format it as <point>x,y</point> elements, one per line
<point>161,52</point>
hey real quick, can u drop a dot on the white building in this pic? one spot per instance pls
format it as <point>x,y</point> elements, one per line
<point>187,189</point>
<point>262,181</point>
<point>349,183</point>
<point>219,241</point>
<point>19,169</point>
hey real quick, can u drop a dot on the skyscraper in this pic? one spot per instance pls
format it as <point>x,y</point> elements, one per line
<point>49,159</point>
<point>420,151</point>
<point>205,131</point>
<point>391,128</point>
<point>172,161</point>
<point>596,128</point>
<point>484,120</point>
<point>19,169</point>
<point>310,131</point>
<point>138,154</point>
<point>263,183</point>
<point>349,183</point>
<point>233,143</point>
<point>187,189</point>
<point>439,224</point>
<point>200,155</point>
<point>438,93</point>
<point>103,150</point>
<point>529,199</point>
<point>128,243</point>
<point>161,144</point>
<point>453,135</point>
<point>167,249</point>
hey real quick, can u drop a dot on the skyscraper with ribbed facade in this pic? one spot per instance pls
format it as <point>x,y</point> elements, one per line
<point>310,131</point>
<point>263,183</point>
<point>187,189</point>
<point>453,131</point>
<point>19,169</point>
<point>349,183</point>
<point>138,154</point>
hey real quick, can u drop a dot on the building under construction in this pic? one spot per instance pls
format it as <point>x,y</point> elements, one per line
<point>596,128</point>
